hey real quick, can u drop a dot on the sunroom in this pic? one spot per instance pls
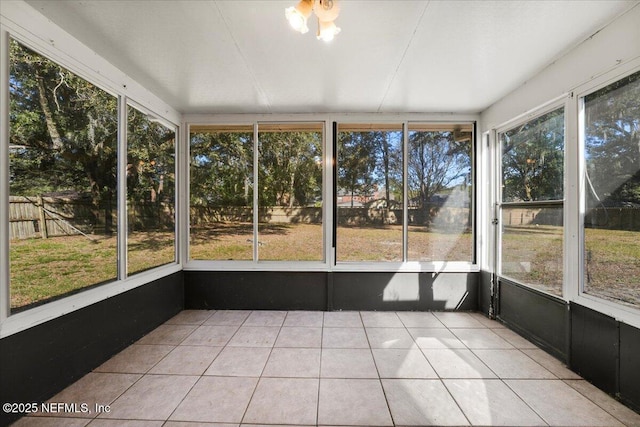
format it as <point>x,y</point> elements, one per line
<point>426,213</point>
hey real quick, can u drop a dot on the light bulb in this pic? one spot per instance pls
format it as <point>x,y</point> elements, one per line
<point>298,15</point>
<point>327,30</point>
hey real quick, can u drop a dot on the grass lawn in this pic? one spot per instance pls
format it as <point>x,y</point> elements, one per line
<point>44,269</point>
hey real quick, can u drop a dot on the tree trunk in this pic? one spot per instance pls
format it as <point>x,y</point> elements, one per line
<point>48,115</point>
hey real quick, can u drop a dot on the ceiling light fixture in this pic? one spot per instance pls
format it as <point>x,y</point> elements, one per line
<point>326,11</point>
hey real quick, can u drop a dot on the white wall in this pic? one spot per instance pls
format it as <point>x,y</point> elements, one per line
<point>614,47</point>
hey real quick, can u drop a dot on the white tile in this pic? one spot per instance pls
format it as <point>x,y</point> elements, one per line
<point>50,422</point>
<point>186,360</point>
<point>606,402</point>
<point>293,362</point>
<point>95,388</point>
<point>344,338</point>
<point>228,318</point>
<point>216,399</point>
<point>342,319</point>
<point>255,336</point>
<point>422,403</point>
<point>514,339</point>
<point>416,319</point>
<point>215,336</point>
<point>352,402</point>
<point>551,363</point>
<point>190,317</point>
<point>390,338</point>
<point>559,404</point>
<point>347,363</point>
<point>239,362</point>
<point>284,401</point>
<point>486,322</point>
<point>513,364</point>
<point>135,359</point>
<point>381,319</point>
<point>313,319</point>
<point>124,423</point>
<point>480,338</point>
<point>402,363</point>
<point>153,397</point>
<point>491,403</point>
<point>265,318</point>
<point>458,320</point>
<point>457,363</point>
<point>435,338</point>
<point>306,337</point>
<point>168,334</point>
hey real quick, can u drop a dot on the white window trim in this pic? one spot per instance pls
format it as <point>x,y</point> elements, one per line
<point>329,263</point>
<point>52,42</point>
<point>555,104</point>
<point>621,312</point>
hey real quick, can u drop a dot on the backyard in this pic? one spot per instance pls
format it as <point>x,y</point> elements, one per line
<point>42,269</point>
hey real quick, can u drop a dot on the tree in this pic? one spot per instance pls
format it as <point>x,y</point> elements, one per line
<point>612,142</point>
<point>356,163</point>
<point>436,162</point>
<point>533,159</point>
<point>290,171</point>
<point>221,169</point>
<point>64,133</point>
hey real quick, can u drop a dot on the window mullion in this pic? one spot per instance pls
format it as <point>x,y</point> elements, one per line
<point>256,213</point>
<point>121,185</point>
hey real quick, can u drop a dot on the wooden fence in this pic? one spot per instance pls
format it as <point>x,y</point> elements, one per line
<point>44,217</point>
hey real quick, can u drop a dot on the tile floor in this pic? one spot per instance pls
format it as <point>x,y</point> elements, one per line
<point>250,368</point>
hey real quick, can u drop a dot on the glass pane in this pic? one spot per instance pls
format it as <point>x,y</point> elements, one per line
<point>532,241</point>
<point>150,192</point>
<point>612,176</point>
<point>369,199</point>
<point>532,159</point>
<point>62,179</point>
<point>290,197</point>
<point>221,193</point>
<point>532,232</point>
<point>440,193</point>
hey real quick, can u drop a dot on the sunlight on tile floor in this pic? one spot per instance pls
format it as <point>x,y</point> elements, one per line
<point>298,368</point>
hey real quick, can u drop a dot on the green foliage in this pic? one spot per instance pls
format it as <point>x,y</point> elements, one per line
<point>63,133</point>
<point>290,168</point>
<point>436,163</point>
<point>221,169</point>
<point>612,142</point>
<point>532,159</point>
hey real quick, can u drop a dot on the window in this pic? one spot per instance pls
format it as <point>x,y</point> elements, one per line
<point>531,208</point>
<point>150,192</point>
<point>283,221</point>
<point>376,220</point>
<point>611,131</point>
<point>62,179</point>
<point>290,195</point>
<point>369,197</point>
<point>440,195</point>
<point>221,193</point>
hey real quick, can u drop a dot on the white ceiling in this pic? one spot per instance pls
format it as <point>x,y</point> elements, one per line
<point>224,56</point>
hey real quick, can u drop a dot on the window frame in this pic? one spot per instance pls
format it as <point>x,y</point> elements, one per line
<point>51,42</point>
<point>534,114</point>
<point>329,263</point>
<point>623,312</point>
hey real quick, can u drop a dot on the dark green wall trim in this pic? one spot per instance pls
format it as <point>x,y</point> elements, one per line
<point>255,290</point>
<point>595,347</point>
<point>539,317</point>
<point>630,366</point>
<point>39,362</point>
<point>267,290</point>
<point>405,291</point>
